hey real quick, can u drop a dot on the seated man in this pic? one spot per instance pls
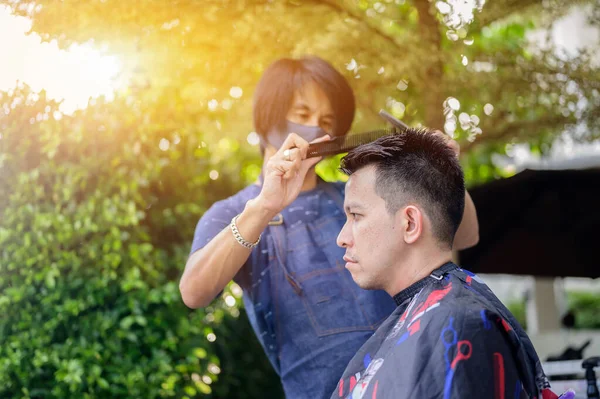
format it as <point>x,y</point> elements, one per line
<point>450,336</point>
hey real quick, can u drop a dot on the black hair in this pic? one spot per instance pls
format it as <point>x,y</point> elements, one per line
<point>418,166</point>
<point>275,92</point>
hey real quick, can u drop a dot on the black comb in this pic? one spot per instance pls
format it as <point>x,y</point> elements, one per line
<point>343,144</point>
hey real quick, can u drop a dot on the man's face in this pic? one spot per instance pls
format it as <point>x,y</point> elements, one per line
<point>312,110</point>
<point>372,236</point>
<point>311,107</point>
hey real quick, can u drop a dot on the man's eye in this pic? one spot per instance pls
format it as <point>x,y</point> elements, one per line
<point>328,129</point>
<point>354,215</point>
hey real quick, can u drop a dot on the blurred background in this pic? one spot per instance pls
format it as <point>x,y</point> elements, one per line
<point>122,122</point>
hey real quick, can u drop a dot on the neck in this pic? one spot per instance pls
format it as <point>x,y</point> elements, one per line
<point>415,266</point>
<point>310,181</point>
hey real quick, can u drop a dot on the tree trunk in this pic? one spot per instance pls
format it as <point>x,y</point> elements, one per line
<point>432,91</point>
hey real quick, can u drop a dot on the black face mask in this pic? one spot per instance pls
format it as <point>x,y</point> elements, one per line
<point>308,133</point>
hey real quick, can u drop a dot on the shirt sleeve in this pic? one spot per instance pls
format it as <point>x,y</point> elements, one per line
<point>214,220</point>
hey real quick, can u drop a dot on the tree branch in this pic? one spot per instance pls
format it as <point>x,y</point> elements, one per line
<point>510,130</point>
<point>356,15</point>
<point>496,11</point>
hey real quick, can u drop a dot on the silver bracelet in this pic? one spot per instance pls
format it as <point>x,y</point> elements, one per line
<point>238,237</point>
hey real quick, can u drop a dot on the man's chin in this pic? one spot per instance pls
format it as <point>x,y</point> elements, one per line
<point>368,284</point>
<point>363,283</point>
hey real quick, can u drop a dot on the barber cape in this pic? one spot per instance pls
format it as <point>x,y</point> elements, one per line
<point>449,337</point>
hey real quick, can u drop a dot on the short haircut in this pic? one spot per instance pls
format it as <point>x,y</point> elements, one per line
<point>416,166</point>
<point>275,92</point>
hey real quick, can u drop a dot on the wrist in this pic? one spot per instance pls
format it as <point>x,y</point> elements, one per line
<point>260,211</point>
<point>240,238</point>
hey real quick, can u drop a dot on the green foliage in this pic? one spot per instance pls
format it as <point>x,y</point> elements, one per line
<point>517,308</point>
<point>586,307</point>
<point>329,169</point>
<point>406,56</point>
<point>95,226</point>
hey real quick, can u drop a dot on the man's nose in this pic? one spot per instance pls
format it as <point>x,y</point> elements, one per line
<point>314,120</point>
<point>343,238</point>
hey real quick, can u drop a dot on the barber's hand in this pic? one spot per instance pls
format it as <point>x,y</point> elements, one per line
<point>285,171</point>
<point>450,142</point>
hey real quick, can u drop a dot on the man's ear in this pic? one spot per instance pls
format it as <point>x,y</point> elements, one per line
<point>412,223</point>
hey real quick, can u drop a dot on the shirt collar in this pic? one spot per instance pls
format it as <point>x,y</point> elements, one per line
<point>435,275</point>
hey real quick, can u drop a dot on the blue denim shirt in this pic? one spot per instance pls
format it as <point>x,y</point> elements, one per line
<point>307,312</point>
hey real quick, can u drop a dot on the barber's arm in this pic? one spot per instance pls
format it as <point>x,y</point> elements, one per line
<point>468,231</point>
<point>209,269</point>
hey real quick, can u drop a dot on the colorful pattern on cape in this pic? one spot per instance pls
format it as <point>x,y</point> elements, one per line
<point>448,338</point>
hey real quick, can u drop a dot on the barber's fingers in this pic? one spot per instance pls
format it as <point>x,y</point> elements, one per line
<point>450,142</point>
<point>294,141</point>
<point>296,147</point>
<point>454,146</point>
<point>291,154</point>
<point>321,139</point>
<point>309,163</point>
<point>293,168</point>
<point>285,169</point>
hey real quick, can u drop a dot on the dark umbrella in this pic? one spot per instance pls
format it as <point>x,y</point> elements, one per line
<point>538,222</point>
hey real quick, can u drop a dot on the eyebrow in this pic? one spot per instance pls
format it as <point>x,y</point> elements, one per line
<point>303,107</point>
<point>354,206</point>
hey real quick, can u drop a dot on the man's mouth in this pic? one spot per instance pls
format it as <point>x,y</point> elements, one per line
<point>349,259</point>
